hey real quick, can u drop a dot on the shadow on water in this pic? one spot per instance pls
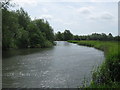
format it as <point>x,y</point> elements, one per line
<point>16,52</point>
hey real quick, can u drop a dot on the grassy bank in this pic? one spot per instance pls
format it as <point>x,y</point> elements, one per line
<point>108,74</point>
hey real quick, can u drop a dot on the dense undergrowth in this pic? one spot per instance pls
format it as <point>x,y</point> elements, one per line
<point>107,75</point>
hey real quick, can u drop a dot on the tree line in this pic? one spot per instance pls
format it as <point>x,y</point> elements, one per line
<point>19,31</point>
<point>67,35</point>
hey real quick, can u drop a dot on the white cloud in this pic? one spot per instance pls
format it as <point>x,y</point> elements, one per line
<point>85,10</point>
<point>101,16</point>
<point>25,2</point>
<point>34,2</point>
<point>107,16</point>
<point>46,17</point>
<point>68,23</point>
<point>58,20</point>
<point>92,17</point>
<point>104,0</point>
<point>44,10</point>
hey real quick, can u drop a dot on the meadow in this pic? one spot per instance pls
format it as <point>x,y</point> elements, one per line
<point>107,74</point>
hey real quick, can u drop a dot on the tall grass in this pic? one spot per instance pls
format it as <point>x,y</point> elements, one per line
<point>108,74</point>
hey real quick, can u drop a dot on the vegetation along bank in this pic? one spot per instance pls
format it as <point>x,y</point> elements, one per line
<point>107,75</point>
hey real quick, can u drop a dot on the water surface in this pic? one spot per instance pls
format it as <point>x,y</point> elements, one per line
<point>65,65</point>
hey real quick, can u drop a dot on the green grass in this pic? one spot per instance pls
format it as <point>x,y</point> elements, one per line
<point>107,75</point>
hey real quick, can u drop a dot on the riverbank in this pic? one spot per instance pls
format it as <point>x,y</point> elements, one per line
<point>107,75</point>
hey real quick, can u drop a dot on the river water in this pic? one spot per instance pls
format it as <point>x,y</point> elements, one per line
<point>65,65</point>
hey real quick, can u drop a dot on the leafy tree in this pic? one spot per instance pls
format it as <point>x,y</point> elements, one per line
<point>20,32</point>
<point>117,38</point>
<point>36,38</point>
<point>45,28</point>
<point>10,28</point>
<point>103,37</point>
<point>22,40</point>
<point>23,18</point>
<point>59,36</point>
<point>67,35</point>
<point>110,37</point>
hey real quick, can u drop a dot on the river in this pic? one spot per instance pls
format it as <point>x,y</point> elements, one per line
<point>65,65</point>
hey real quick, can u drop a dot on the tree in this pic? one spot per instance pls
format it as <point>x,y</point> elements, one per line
<point>59,36</point>
<point>23,18</point>
<point>10,28</point>
<point>22,40</point>
<point>20,32</point>
<point>117,38</point>
<point>36,38</point>
<point>67,35</point>
<point>45,28</point>
<point>103,37</point>
<point>76,37</point>
<point>110,37</point>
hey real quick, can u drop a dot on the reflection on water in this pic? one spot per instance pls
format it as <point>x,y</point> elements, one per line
<point>65,65</point>
<point>14,52</point>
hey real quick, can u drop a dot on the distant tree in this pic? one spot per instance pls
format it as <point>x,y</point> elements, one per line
<point>76,37</point>
<point>95,36</point>
<point>103,37</point>
<point>67,35</point>
<point>117,38</point>
<point>110,37</point>
<point>59,36</point>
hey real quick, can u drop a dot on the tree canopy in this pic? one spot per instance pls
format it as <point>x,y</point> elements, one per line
<point>19,31</point>
<point>66,35</point>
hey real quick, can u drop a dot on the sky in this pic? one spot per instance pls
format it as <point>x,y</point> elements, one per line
<point>81,17</point>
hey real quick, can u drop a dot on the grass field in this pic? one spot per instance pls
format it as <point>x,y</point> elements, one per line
<point>107,75</point>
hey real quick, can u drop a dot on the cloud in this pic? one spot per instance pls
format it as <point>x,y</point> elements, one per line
<point>26,2</point>
<point>92,17</point>
<point>106,16</point>
<point>104,0</point>
<point>46,17</point>
<point>68,23</point>
<point>36,1</point>
<point>45,10</point>
<point>58,20</point>
<point>85,10</point>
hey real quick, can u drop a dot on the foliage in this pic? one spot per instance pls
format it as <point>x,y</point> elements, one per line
<point>59,36</point>
<point>45,28</point>
<point>66,35</point>
<point>96,36</point>
<point>19,31</point>
<point>23,18</point>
